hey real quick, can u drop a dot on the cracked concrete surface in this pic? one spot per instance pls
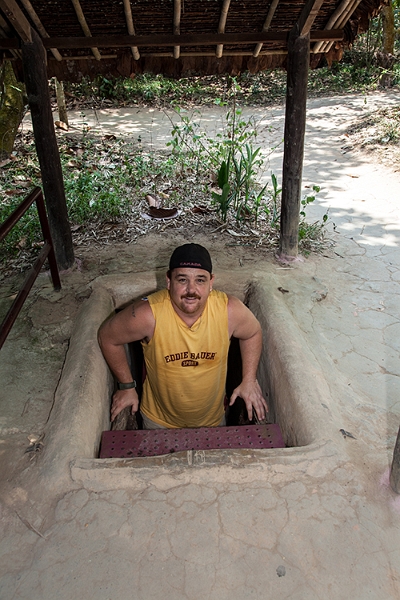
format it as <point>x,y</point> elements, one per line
<point>209,537</point>
<point>321,523</point>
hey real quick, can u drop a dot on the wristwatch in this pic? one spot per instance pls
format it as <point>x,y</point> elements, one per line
<point>126,386</point>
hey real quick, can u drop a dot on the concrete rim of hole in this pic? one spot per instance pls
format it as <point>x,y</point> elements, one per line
<point>288,371</point>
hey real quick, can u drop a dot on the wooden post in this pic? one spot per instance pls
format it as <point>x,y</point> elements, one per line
<point>37,89</point>
<point>62,109</point>
<point>395,469</point>
<point>295,125</point>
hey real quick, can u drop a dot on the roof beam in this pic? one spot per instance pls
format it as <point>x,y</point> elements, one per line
<point>17,19</point>
<point>39,26</point>
<point>89,57</point>
<point>209,53</point>
<point>177,25</point>
<point>335,18</point>
<point>307,16</point>
<point>341,21</point>
<point>221,26</point>
<point>85,27</point>
<point>183,54</point>
<point>210,39</point>
<point>131,27</point>
<point>5,31</point>
<point>267,23</point>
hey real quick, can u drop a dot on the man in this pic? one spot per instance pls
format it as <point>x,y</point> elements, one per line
<point>185,331</point>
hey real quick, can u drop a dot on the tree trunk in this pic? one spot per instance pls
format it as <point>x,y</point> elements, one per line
<point>385,58</point>
<point>388,29</point>
<point>11,108</point>
<point>37,88</point>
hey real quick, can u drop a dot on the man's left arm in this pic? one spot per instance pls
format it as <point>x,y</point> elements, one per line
<point>244,326</point>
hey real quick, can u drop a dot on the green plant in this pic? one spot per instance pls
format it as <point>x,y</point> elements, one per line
<point>275,197</point>
<point>257,198</point>
<point>391,131</point>
<point>247,200</point>
<point>310,231</point>
<point>308,199</point>
<point>26,234</point>
<point>108,179</point>
<point>188,143</point>
<point>230,154</point>
<point>223,200</point>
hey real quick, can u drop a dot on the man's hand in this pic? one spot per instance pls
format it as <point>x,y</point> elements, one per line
<point>251,393</point>
<point>122,399</point>
<point>245,327</point>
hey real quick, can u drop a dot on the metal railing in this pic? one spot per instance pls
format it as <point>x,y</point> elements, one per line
<point>47,252</point>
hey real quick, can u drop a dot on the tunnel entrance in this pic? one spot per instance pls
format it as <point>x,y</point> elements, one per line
<point>277,375</point>
<point>127,437</point>
<point>291,379</point>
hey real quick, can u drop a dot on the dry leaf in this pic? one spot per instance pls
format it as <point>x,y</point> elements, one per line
<point>201,210</point>
<point>163,213</point>
<point>236,234</point>
<point>153,200</point>
<point>61,125</point>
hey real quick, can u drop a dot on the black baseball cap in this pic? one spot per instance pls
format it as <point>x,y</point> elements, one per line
<point>191,256</point>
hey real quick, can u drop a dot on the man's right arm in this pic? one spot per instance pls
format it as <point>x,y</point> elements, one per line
<point>136,322</point>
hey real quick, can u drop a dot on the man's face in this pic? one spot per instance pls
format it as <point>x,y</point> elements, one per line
<point>189,290</point>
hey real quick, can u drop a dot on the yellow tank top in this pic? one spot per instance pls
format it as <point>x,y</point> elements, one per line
<point>186,366</point>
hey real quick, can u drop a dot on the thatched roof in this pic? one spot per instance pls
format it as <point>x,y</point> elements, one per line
<point>178,37</point>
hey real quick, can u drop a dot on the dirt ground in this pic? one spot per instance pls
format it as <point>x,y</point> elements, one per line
<point>318,521</point>
<point>39,340</point>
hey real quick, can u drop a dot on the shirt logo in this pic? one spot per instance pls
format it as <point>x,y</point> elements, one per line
<point>192,356</point>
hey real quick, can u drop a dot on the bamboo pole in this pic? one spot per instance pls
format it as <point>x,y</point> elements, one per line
<point>342,22</point>
<point>131,27</point>
<point>17,19</point>
<point>186,39</point>
<point>88,57</point>
<point>84,25</point>
<point>267,23</point>
<point>221,26</point>
<point>4,33</point>
<point>39,26</point>
<point>229,53</point>
<point>335,17</point>
<point>177,25</point>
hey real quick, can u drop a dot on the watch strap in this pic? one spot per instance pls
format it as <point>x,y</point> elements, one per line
<point>126,386</point>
